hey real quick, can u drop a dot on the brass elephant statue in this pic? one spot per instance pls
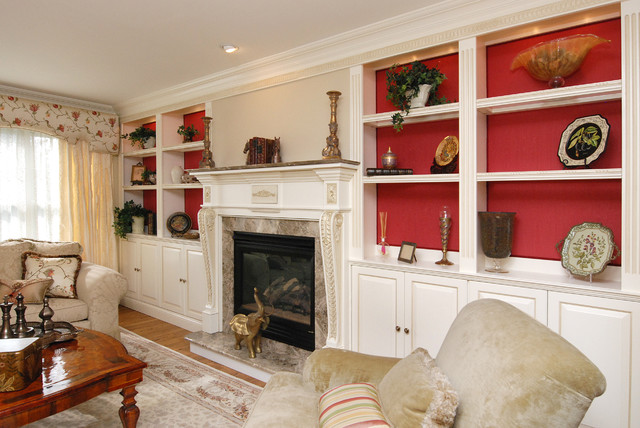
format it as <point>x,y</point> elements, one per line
<point>249,327</point>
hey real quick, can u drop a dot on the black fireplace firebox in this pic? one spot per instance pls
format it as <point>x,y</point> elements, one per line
<point>282,268</point>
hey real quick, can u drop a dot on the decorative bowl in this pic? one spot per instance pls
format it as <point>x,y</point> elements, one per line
<point>556,59</point>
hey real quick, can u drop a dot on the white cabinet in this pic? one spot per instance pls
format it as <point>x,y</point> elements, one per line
<point>184,287</point>
<point>531,301</point>
<point>607,331</point>
<point>394,313</point>
<point>139,263</point>
<point>167,279</point>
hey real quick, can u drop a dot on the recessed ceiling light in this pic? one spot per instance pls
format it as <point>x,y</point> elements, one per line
<point>230,48</point>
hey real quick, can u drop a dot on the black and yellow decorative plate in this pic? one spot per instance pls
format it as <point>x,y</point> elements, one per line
<point>583,141</point>
<point>179,223</point>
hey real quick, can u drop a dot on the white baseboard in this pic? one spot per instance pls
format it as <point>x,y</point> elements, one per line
<point>162,314</point>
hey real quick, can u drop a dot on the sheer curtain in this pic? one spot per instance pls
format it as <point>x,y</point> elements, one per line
<point>29,185</point>
<point>87,202</point>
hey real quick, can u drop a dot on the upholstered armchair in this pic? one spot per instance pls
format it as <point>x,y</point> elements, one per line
<point>89,295</point>
<point>497,367</point>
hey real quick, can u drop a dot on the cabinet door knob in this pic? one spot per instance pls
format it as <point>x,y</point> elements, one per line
<point>406,330</point>
<point>397,328</point>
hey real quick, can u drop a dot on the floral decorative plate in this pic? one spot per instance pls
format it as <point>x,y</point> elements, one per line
<point>179,223</point>
<point>588,248</point>
<point>583,141</point>
<point>447,150</point>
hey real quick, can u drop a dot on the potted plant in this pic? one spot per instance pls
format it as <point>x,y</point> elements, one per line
<point>149,176</point>
<point>188,132</point>
<point>124,218</point>
<point>405,84</point>
<point>145,138</point>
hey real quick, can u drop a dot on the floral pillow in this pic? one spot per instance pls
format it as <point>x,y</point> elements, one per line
<point>62,269</point>
<point>33,290</point>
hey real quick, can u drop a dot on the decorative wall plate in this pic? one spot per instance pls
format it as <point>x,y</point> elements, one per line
<point>179,223</point>
<point>588,248</point>
<point>447,150</point>
<point>583,141</point>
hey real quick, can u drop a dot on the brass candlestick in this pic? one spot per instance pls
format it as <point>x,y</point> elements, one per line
<point>207,156</point>
<point>445,228</point>
<point>332,151</point>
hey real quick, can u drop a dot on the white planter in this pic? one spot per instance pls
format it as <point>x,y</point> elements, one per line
<point>176,174</point>
<point>421,99</point>
<point>149,143</point>
<point>138,225</point>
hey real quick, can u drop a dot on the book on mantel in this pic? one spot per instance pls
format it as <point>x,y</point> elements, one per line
<point>384,171</point>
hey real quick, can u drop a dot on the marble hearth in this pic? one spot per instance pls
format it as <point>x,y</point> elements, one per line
<point>299,199</point>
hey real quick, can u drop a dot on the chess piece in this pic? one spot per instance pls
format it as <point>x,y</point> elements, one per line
<point>22,330</point>
<point>45,315</point>
<point>6,331</point>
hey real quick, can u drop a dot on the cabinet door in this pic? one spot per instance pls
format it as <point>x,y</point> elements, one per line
<point>607,331</point>
<point>376,299</point>
<point>196,283</point>
<point>529,300</point>
<point>431,304</point>
<point>129,257</point>
<point>172,279</point>
<point>149,272</point>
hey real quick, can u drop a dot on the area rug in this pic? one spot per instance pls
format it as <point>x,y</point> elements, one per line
<point>177,391</point>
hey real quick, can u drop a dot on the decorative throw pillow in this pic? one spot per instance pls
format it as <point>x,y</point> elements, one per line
<point>33,290</point>
<point>62,269</point>
<point>11,258</point>
<point>351,405</point>
<point>61,248</point>
<point>416,393</point>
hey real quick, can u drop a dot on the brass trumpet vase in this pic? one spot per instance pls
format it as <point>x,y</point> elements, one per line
<point>496,233</point>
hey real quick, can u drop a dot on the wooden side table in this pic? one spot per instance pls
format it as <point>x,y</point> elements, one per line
<point>72,373</point>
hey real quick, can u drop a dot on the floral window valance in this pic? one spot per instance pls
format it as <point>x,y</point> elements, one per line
<point>99,130</point>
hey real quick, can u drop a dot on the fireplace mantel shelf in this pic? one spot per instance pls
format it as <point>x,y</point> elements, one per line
<point>281,165</point>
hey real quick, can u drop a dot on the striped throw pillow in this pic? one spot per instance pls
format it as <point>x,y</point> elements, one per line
<point>354,405</point>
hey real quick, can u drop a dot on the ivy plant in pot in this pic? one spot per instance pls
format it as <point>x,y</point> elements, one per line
<point>143,137</point>
<point>407,84</point>
<point>125,217</point>
<point>188,132</point>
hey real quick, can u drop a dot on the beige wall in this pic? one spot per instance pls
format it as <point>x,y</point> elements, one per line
<point>297,112</point>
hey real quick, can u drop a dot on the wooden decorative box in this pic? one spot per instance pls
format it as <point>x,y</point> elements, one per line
<point>20,362</point>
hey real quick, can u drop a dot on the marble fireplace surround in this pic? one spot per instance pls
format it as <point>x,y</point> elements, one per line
<point>311,198</point>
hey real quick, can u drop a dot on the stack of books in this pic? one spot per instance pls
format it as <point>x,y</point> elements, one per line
<point>384,171</point>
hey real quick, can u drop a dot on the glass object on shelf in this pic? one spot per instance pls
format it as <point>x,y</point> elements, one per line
<point>389,160</point>
<point>496,233</point>
<point>384,247</point>
<point>445,228</point>
<point>556,59</point>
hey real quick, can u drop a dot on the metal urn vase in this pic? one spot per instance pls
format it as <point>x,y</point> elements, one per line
<point>496,233</point>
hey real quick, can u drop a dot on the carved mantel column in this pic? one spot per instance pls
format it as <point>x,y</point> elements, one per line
<point>331,244</point>
<point>207,223</point>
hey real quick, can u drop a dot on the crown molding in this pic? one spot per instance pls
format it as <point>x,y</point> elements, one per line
<point>56,99</point>
<point>431,26</point>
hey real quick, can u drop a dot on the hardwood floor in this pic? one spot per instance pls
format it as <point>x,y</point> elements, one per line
<point>170,336</point>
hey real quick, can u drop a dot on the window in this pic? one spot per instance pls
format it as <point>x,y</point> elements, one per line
<point>29,185</point>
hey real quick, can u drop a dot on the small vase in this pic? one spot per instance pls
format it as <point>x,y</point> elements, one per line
<point>421,99</point>
<point>389,160</point>
<point>138,225</point>
<point>496,232</point>
<point>149,143</point>
<point>176,174</point>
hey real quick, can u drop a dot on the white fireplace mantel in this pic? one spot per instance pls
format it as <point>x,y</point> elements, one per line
<point>311,190</point>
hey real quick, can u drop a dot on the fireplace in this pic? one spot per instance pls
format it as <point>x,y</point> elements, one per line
<point>282,268</point>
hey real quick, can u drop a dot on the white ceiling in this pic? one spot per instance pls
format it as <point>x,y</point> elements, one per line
<point>112,51</point>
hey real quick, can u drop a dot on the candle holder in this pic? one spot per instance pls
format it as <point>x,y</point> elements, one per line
<point>445,228</point>
<point>384,247</point>
<point>207,156</point>
<point>332,149</point>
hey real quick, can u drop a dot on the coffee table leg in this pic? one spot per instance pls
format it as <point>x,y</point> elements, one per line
<point>129,412</point>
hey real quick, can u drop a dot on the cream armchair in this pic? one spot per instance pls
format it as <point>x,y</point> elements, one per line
<point>504,369</point>
<point>99,288</point>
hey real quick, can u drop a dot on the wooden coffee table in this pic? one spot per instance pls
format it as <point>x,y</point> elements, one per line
<point>72,373</point>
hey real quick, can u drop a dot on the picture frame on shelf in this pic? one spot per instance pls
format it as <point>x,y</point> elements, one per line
<point>137,172</point>
<point>407,252</point>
